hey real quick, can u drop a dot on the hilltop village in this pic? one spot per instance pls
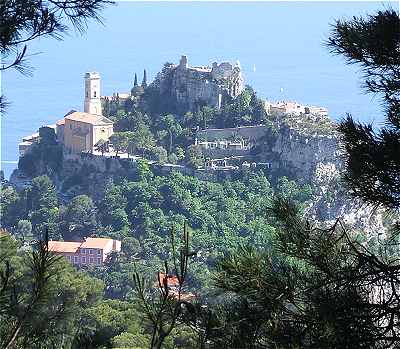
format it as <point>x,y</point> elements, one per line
<point>283,138</point>
<point>201,122</point>
<point>201,126</point>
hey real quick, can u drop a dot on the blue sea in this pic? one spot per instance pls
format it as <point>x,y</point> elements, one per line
<point>280,47</point>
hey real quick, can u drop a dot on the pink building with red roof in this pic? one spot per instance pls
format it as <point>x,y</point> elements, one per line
<point>92,251</point>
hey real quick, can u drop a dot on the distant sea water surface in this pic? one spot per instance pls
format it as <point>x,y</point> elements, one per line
<point>280,47</point>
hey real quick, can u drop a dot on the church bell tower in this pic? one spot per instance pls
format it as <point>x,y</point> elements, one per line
<point>92,93</point>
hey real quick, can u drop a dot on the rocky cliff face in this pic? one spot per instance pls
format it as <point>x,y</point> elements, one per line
<point>190,87</point>
<point>304,154</point>
<point>332,201</point>
<point>292,146</point>
<point>307,149</point>
<point>311,150</point>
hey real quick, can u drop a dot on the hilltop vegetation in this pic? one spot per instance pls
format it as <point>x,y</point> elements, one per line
<point>148,126</point>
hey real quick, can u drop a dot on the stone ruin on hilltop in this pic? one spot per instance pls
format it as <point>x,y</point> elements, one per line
<point>188,88</point>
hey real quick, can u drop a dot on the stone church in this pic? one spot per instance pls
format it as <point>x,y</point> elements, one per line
<point>81,131</point>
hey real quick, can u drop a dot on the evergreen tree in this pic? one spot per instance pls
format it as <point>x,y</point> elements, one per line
<point>42,202</point>
<point>373,161</point>
<point>144,82</point>
<point>79,218</point>
<point>164,308</point>
<point>308,292</point>
<point>135,83</point>
<point>42,193</point>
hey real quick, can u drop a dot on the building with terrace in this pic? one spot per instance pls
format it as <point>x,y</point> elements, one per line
<point>294,108</point>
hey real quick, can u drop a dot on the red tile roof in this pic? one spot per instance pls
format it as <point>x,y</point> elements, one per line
<point>173,286</point>
<point>100,243</point>
<point>64,246</point>
<point>185,296</point>
<point>72,247</point>
<point>88,118</point>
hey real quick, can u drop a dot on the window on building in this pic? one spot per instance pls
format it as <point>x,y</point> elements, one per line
<point>91,259</point>
<point>76,259</point>
<point>90,251</point>
<point>94,94</point>
<point>98,260</point>
<point>84,260</point>
<point>98,251</point>
<point>83,251</point>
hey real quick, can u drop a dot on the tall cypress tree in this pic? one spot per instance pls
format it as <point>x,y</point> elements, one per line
<point>144,82</point>
<point>135,81</point>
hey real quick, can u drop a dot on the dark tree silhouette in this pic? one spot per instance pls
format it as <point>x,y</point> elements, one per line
<point>144,82</point>
<point>373,160</point>
<point>19,305</point>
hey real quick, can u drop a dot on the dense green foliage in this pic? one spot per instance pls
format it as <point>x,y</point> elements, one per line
<point>43,157</point>
<point>43,299</point>
<point>141,213</point>
<point>305,293</point>
<point>145,121</point>
<point>47,303</point>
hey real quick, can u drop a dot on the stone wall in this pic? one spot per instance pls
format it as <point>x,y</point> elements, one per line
<point>290,151</point>
<point>304,153</point>
<point>222,153</point>
<point>251,133</point>
<point>89,174</point>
